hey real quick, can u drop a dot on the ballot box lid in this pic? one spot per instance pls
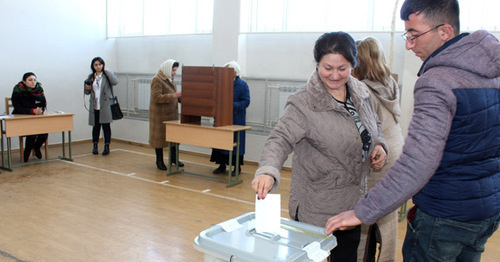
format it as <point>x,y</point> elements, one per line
<point>240,242</point>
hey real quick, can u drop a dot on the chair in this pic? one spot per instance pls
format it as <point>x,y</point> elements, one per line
<point>8,106</point>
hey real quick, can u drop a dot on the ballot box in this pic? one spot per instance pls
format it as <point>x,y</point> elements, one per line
<point>237,240</point>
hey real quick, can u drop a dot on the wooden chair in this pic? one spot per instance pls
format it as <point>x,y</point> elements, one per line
<point>8,106</point>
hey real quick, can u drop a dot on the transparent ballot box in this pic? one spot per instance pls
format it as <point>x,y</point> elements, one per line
<point>237,240</point>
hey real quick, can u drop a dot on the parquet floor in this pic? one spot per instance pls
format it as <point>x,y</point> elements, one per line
<point>121,208</point>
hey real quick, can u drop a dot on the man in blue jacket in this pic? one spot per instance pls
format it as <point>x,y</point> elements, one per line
<point>451,157</point>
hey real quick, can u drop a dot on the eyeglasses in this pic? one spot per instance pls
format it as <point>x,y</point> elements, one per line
<point>410,38</point>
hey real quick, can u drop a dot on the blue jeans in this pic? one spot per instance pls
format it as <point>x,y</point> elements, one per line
<point>430,238</point>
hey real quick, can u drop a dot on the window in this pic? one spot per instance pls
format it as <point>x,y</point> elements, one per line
<point>352,16</point>
<point>317,15</point>
<point>479,14</point>
<point>158,17</point>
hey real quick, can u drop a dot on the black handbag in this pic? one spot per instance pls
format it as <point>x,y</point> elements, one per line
<point>116,111</point>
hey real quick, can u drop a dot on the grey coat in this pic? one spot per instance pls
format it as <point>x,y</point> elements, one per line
<point>106,98</point>
<point>327,171</point>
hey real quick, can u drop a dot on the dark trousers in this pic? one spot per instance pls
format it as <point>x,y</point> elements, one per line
<point>372,239</point>
<point>347,245</point>
<point>35,141</point>
<point>159,154</point>
<point>96,130</point>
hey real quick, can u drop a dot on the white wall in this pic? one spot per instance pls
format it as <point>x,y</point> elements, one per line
<point>56,40</point>
<point>146,54</point>
<point>290,56</point>
<point>282,55</point>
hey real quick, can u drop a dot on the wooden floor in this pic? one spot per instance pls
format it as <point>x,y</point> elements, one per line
<point>120,207</point>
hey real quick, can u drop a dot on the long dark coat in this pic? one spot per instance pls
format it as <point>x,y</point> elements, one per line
<point>163,106</point>
<point>241,100</point>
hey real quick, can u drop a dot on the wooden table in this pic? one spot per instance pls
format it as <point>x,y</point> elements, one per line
<point>205,136</point>
<point>25,125</point>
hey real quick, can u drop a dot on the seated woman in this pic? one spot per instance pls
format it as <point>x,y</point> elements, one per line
<point>28,98</point>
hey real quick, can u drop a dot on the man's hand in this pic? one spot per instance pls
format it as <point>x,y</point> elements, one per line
<point>262,184</point>
<point>342,221</point>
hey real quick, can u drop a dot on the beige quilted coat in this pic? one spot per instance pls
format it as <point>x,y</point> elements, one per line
<point>162,107</point>
<point>386,99</point>
<point>327,169</point>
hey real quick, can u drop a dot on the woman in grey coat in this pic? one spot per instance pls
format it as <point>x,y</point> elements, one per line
<point>98,85</point>
<point>332,128</point>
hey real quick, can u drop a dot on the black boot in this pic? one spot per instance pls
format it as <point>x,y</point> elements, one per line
<point>173,156</point>
<point>30,144</point>
<point>106,150</point>
<point>38,153</point>
<point>40,140</point>
<point>220,169</point>
<point>159,159</point>
<point>234,171</point>
<point>27,154</point>
<point>94,150</point>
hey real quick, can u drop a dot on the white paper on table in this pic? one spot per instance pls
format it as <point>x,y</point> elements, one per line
<point>268,214</point>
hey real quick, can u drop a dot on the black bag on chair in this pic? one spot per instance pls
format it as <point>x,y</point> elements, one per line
<point>116,111</point>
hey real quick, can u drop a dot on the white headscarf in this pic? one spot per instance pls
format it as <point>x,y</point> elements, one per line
<point>234,65</point>
<point>166,68</point>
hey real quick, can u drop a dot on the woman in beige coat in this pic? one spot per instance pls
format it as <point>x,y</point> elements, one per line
<point>163,106</point>
<point>373,71</point>
<point>332,129</point>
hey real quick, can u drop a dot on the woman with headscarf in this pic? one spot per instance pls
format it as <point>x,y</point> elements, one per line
<point>163,106</point>
<point>241,100</point>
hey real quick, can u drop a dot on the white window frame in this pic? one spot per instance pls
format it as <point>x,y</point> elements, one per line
<point>273,16</point>
<point>126,18</point>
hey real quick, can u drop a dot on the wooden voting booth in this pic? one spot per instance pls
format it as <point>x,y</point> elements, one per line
<point>207,91</point>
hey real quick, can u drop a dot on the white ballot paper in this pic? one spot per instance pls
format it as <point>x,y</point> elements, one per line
<point>268,214</point>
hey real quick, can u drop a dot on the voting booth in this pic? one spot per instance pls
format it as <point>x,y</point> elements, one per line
<point>208,92</point>
<point>237,240</point>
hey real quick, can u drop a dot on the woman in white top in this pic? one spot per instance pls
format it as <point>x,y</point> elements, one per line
<point>98,85</point>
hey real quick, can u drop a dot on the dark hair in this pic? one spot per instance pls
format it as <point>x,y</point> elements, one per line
<point>336,43</point>
<point>436,11</point>
<point>176,64</point>
<point>28,74</point>
<point>100,61</point>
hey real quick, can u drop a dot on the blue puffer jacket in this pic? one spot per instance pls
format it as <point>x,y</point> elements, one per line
<point>451,157</point>
<point>465,186</point>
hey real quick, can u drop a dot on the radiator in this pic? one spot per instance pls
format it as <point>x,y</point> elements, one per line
<point>143,93</point>
<point>277,98</point>
<point>285,92</point>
